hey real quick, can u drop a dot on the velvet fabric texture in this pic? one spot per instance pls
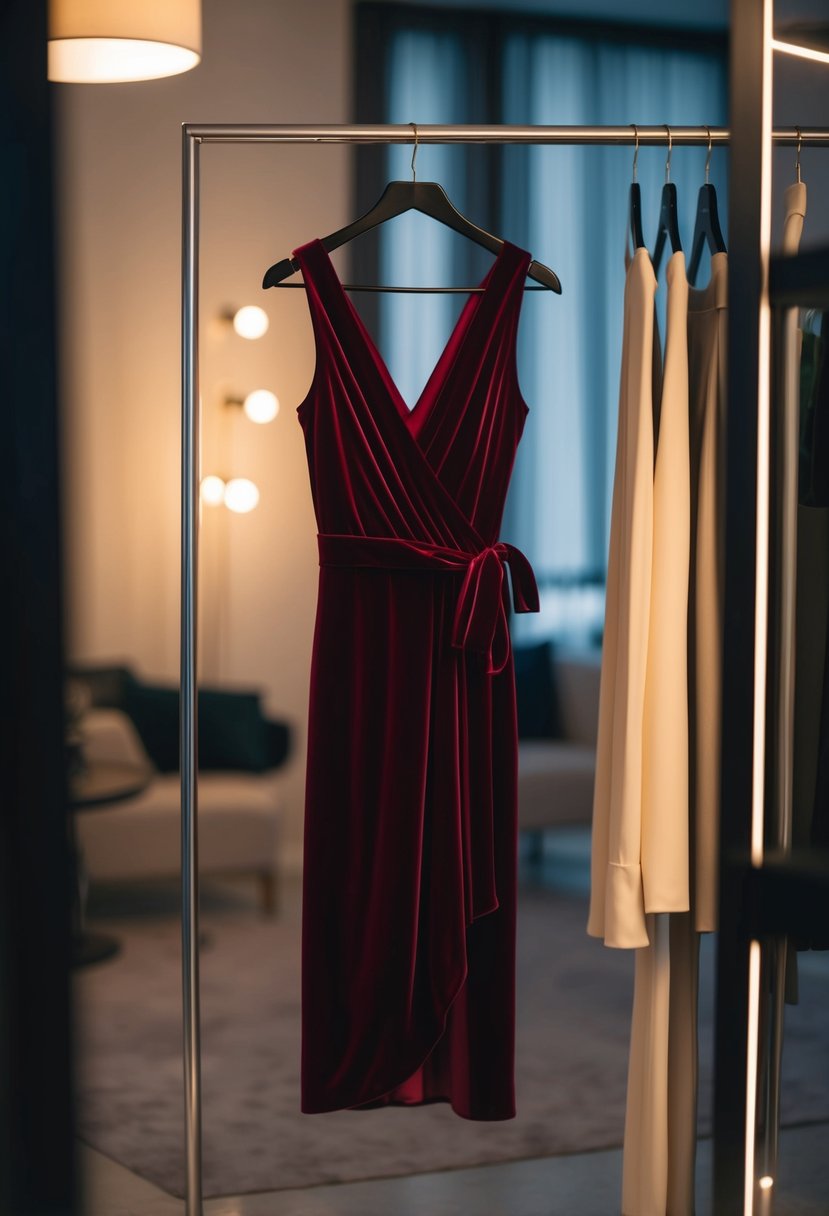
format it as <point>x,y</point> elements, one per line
<point>409,884</point>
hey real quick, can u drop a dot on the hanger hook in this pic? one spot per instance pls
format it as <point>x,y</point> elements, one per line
<point>799,142</point>
<point>635,148</point>
<point>708,157</point>
<point>413,125</point>
<point>670,152</point>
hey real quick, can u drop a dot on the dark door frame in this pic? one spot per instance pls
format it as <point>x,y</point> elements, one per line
<point>36,1127</point>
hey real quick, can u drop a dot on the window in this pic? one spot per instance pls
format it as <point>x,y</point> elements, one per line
<point>568,205</point>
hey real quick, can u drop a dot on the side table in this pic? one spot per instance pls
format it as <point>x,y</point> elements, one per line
<point>97,784</point>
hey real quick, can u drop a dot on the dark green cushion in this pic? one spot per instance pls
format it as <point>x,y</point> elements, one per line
<point>232,733</point>
<point>539,715</point>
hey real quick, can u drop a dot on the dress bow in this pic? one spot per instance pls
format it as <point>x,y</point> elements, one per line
<point>481,617</point>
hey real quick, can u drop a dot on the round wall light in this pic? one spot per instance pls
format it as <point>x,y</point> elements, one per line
<point>241,495</point>
<point>105,41</point>
<point>251,321</point>
<point>261,405</point>
<point>213,490</point>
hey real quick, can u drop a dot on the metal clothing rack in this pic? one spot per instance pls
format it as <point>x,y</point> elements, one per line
<point>194,135</point>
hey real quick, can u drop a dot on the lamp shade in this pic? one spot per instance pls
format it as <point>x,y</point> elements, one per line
<point>102,41</point>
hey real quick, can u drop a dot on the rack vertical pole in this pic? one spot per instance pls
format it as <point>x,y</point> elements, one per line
<point>188,721</point>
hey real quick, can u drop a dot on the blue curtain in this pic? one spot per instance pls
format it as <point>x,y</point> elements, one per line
<point>431,80</point>
<point>569,206</point>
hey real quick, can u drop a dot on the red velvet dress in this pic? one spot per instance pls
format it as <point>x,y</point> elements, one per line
<point>409,888</point>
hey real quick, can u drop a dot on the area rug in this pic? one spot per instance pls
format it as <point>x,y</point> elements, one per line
<point>574,1000</point>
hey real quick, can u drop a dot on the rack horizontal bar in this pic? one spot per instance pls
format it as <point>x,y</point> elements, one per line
<point>231,133</point>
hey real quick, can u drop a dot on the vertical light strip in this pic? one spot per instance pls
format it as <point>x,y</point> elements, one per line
<point>761,612</point>
<point>752,1048</point>
<point>763,425</point>
<point>761,592</point>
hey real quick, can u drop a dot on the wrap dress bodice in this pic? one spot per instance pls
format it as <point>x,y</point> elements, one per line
<point>410,817</point>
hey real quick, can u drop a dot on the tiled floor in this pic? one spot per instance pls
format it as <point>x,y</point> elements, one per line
<point>586,1184</point>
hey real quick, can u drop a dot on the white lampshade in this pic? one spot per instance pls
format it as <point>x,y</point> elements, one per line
<point>241,495</point>
<point>261,405</point>
<point>251,321</point>
<point>102,41</point>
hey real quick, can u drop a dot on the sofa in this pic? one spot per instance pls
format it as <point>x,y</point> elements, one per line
<point>239,808</point>
<point>557,750</point>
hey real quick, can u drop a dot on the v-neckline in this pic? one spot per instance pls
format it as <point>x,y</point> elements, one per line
<point>414,416</point>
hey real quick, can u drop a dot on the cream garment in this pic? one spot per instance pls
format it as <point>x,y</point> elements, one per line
<point>660,1119</point>
<point>794,205</point>
<point>660,1116</point>
<point>640,814</point>
<point>665,867</point>
<point>660,1124</point>
<point>617,904</point>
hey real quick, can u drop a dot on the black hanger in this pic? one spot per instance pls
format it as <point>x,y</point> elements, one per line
<point>635,207</point>
<point>431,199</point>
<point>668,214</point>
<point>707,230</point>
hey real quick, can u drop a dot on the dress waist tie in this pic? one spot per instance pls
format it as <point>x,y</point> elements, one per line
<point>480,623</point>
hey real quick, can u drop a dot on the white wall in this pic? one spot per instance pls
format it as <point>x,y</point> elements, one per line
<point>118,199</point>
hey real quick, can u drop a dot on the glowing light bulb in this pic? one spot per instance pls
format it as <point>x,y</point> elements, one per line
<point>241,495</point>
<point>213,490</point>
<point>766,1182</point>
<point>261,405</point>
<point>251,321</point>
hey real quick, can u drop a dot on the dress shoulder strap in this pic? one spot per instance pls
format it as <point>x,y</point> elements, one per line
<point>316,267</point>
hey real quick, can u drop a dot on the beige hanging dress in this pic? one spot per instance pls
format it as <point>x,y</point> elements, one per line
<point>617,903</point>
<point>659,1125</point>
<point>656,805</point>
<point>640,817</point>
